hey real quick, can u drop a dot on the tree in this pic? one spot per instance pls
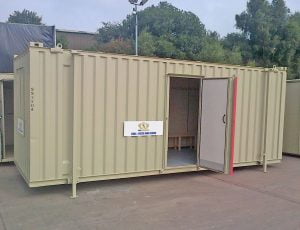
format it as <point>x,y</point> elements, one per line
<point>147,44</point>
<point>272,34</point>
<point>25,17</point>
<point>292,46</point>
<point>268,36</point>
<point>238,50</point>
<point>165,31</point>
<point>121,46</point>
<point>110,31</point>
<point>212,49</point>
<point>256,24</point>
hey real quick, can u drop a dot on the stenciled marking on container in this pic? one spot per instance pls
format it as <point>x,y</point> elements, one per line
<point>31,99</point>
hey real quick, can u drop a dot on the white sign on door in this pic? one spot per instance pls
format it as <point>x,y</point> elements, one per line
<point>20,126</point>
<point>143,128</point>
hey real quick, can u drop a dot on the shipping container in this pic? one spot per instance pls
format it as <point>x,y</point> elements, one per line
<point>87,116</point>
<point>291,134</point>
<point>6,117</point>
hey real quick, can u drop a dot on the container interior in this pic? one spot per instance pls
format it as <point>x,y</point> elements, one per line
<point>8,94</point>
<point>183,121</point>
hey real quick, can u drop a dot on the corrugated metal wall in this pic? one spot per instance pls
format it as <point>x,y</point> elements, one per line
<point>77,40</point>
<point>110,89</point>
<point>291,140</point>
<point>260,102</point>
<point>51,115</point>
<point>130,92</point>
<point>21,101</point>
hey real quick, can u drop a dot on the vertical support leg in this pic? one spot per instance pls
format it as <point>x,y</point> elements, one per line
<point>74,190</point>
<point>265,163</point>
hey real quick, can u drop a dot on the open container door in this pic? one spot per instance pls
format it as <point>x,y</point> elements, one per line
<point>2,128</point>
<point>214,103</point>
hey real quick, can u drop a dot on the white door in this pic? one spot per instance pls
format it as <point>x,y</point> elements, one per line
<point>213,124</point>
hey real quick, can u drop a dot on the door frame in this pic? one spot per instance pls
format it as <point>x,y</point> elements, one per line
<point>3,78</point>
<point>2,122</point>
<point>166,129</point>
<point>228,130</point>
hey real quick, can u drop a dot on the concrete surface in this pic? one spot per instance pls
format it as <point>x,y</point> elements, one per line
<point>248,200</point>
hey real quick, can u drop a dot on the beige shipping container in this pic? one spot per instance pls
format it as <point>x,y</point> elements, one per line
<point>86,116</point>
<point>6,117</point>
<point>291,134</point>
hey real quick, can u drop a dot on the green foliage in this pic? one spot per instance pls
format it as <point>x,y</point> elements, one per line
<point>166,31</point>
<point>25,17</point>
<point>121,46</point>
<point>147,44</point>
<point>256,25</point>
<point>165,19</point>
<point>269,35</point>
<point>212,49</point>
<point>292,46</point>
<point>238,49</point>
<point>110,31</point>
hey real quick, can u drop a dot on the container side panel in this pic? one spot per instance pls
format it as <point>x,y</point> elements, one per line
<point>250,124</point>
<point>245,116</point>
<point>121,110</point>
<point>50,93</point>
<point>110,115</point>
<point>37,127</point>
<point>188,69</point>
<point>250,116</point>
<point>271,116</point>
<point>276,88</point>
<point>152,111</point>
<point>259,108</point>
<point>88,96</point>
<point>239,115</point>
<point>291,137</point>
<point>77,117</point>
<point>65,118</point>
<point>252,119</point>
<point>99,118</point>
<point>276,122</point>
<point>87,119</point>
<point>143,75</point>
<point>21,113</point>
<point>51,129</point>
<point>131,163</point>
<point>114,90</point>
<point>160,111</point>
<point>282,78</point>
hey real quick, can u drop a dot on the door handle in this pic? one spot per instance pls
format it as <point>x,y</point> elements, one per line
<point>224,118</point>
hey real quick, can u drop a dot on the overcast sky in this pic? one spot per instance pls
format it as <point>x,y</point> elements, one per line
<point>87,15</point>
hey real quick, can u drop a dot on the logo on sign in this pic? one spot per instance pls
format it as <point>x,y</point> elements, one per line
<point>143,126</point>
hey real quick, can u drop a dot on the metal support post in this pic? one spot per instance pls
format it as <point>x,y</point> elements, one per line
<point>136,30</point>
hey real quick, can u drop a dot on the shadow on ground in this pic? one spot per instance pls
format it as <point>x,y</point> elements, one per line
<point>200,200</point>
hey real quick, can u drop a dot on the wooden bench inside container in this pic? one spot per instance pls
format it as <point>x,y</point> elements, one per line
<point>176,140</point>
